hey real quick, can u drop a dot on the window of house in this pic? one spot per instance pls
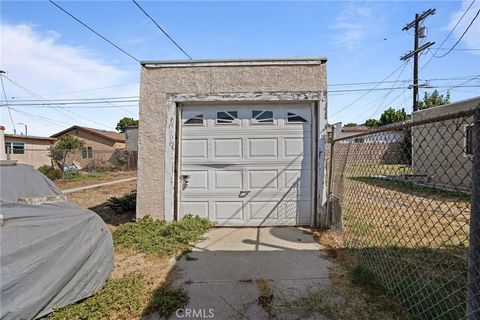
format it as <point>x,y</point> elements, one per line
<point>262,116</point>
<point>295,118</point>
<point>226,117</point>
<point>14,147</point>
<point>87,153</point>
<point>469,139</point>
<point>195,120</point>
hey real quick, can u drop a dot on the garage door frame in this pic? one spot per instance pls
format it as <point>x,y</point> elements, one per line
<point>173,140</point>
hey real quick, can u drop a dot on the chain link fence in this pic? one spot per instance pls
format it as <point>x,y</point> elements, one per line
<point>405,201</point>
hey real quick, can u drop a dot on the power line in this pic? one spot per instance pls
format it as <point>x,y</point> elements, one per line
<point>6,101</point>
<point>463,34</point>
<point>363,95</point>
<point>448,35</point>
<point>161,29</point>
<point>39,97</point>
<point>91,29</point>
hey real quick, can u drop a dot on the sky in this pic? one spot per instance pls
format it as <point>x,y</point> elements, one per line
<point>47,55</point>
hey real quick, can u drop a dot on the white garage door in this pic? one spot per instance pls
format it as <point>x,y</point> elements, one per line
<point>246,165</point>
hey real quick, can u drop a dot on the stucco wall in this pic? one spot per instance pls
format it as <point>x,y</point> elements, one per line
<point>158,82</point>
<point>131,138</point>
<point>438,148</point>
<point>36,151</point>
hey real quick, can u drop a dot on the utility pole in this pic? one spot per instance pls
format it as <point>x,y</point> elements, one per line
<point>419,33</point>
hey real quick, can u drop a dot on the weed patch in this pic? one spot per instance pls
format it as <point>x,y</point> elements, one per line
<point>166,300</point>
<point>161,238</point>
<point>125,203</point>
<point>123,296</point>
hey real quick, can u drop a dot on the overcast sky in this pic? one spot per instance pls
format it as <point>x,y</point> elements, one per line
<point>54,57</point>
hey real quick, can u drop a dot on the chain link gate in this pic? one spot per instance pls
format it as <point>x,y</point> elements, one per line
<point>405,201</point>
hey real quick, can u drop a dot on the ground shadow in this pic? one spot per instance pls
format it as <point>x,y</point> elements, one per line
<point>111,217</point>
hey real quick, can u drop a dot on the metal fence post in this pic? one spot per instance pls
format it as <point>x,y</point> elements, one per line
<point>330,178</point>
<point>473,284</point>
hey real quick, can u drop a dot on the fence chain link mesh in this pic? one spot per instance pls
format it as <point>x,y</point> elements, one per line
<point>400,199</point>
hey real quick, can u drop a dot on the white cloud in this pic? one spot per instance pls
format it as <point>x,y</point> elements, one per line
<point>42,63</point>
<point>354,24</point>
<point>471,40</point>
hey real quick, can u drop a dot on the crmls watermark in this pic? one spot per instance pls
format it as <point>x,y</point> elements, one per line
<point>195,313</point>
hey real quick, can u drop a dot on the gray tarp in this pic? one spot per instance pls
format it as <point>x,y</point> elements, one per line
<point>52,254</point>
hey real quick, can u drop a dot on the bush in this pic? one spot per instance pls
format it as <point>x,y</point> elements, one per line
<point>125,203</point>
<point>50,172</point>
<point>73,175</point>
<point>161,238</point>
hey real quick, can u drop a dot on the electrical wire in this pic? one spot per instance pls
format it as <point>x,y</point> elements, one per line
<point>91,29</point>
<point>448,35</point>
<point>8,107</point>
<point>363,95</point>
<point>161,29</point>
<point>461,37</point>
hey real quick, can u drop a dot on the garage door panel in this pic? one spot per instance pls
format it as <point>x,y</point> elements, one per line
<point>228,210</point>
<point>263,210</point>
<point>263,179</point>
<point>228,179</point>
<point>227,148</point>
<point>195,148</point>
<point>299,179</point>
<point>197,179</point>
<point>263,147</point>
<point>199,208</point>
<point>296,147</point>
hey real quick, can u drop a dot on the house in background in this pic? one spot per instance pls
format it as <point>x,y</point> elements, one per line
<point>28,149</point>
<point>442,152</point>
<point>100,145</point>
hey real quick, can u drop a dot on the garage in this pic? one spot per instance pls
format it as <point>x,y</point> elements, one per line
<point>247,165</point>
<point>239,141</point>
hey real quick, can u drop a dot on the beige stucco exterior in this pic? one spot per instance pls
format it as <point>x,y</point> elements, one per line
<point>208,81</point>
<point>438,148</point>
<point>36,150</point>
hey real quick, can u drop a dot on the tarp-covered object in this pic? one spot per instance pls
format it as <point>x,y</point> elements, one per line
<point>52,254</point>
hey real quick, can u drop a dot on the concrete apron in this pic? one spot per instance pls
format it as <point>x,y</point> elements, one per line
<point>222,272</point>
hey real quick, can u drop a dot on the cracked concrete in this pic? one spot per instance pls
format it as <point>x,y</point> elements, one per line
<point>225,268</point>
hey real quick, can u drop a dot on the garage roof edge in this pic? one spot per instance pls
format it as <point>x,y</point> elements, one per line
<point>232,62</point>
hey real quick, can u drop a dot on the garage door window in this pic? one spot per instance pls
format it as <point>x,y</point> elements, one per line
<point>227,117</point>
<point>195,120</point>
<point>262,116</point>
<point>295,118</point>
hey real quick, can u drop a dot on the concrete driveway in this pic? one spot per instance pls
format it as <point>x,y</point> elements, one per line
<point>233,267</point>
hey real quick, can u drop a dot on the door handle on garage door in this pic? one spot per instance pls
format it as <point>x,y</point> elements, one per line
<point>185,178</point>
<point>243,193</point>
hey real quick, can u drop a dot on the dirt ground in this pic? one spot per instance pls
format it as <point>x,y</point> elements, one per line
<point>108,176</point>
<point>95,198</point>
<point>156,270</point>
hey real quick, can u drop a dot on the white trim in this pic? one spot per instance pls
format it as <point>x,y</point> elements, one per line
<point>175,101</point>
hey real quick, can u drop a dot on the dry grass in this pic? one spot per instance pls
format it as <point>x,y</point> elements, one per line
<point>348,296</point>
<point>94,179</point>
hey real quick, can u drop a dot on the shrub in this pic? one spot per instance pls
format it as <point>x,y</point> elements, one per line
<point>50,172</point>
<point>73,175</point>
<point>161,238</point>
<point>125,203</point>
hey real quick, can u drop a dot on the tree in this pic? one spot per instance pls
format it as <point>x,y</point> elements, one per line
<point>433,99</point>
<point>351,124</point>
<point>125,122</point>
<point>392,115</point>
<point>372,123</point>
<point>65,145</point>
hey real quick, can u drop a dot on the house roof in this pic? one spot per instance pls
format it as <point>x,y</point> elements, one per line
<point>356,129</point>
<point>109,135</point>
<point>230,62</point>
<point>21,136</point>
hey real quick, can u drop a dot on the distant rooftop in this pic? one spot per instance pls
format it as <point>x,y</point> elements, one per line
<point>110,135</point>
<point>22,136</point>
